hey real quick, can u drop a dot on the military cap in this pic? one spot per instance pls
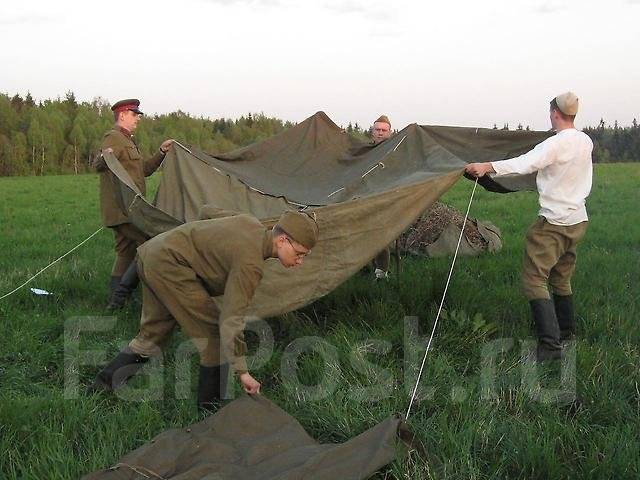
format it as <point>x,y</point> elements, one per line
<point>567,103</point>
<point>383,119</point>
<point>301,227</point>
<point>128,104</point>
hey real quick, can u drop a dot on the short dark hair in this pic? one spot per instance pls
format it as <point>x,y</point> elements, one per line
<point>277,230</point>
<point>554,106</point>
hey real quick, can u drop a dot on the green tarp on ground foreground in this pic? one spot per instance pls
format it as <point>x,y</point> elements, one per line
<point>364,196</point>
<point>251,439</point>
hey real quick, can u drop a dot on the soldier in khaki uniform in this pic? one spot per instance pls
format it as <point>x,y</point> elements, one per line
<point>564,174</point>
<point>381,132</point>
<point>182,269</point>
<point>127,237</point>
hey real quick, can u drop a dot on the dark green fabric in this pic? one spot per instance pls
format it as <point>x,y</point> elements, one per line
<point>252,438</point>
<point>350,233</point>
<point>363,197</point>
<point>315,158</point>
<point>381,190</point>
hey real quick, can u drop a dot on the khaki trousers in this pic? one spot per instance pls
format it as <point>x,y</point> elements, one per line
<point>127,239</point>
<point>550,258</point>
<point>171,293</point>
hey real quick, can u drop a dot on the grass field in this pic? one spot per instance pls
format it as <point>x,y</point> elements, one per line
<point>512,423</point>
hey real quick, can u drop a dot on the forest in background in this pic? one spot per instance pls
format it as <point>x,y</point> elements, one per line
<point>60,136</point>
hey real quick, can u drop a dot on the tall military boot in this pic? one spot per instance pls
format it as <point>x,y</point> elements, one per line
<point>114,281</point>
<point>566,318</point>
<point>123,291</point>
<point>118,371</point>
<point>212,387</point>
<point>547,330</point>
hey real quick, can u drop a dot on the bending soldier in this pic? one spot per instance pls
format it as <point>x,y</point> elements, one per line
<point>182,269</point>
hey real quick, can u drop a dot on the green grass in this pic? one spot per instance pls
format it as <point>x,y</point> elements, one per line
<point>468,433</point>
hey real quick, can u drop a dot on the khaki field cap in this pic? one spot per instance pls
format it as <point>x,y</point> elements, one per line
<point>300,227</point>
<point>383,119</point>
<point>567,103</point>
<point>128,104</point>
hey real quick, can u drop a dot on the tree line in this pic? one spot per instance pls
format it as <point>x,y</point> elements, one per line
<point>62,135</point>
<point>610,143</point>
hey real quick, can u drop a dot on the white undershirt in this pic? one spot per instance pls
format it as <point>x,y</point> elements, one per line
<point>565,171</point>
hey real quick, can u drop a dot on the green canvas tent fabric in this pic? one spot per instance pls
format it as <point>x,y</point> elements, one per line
<point>252,438</point>
<point>364,196</point>
<point>317,163</point>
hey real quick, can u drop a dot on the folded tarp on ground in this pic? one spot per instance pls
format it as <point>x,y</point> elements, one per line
<point>364,196</point>
<point>252,438</point>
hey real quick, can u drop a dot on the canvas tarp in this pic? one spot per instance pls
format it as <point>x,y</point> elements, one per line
<point>307,163</point>
<point>364,196</point>
<point>252,438</point>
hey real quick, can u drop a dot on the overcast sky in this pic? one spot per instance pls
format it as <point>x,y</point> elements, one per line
<point>471,63</point>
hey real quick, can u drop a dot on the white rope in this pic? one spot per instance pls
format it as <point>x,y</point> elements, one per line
<point>53,263</point>
<point>185,148</point>
<point>396,147</point>
<point>435,324</point>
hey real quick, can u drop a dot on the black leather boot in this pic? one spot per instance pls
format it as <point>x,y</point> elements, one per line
<point>113,284</point>
<point>566,318</point>
<point>547,330</point>
<point>123,291</point>
<point>117,372</point>
<point>212,387</point>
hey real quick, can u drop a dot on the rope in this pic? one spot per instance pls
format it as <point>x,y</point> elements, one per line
<point>435,324</point>
<point>53,263</point>
<point>185,148</point>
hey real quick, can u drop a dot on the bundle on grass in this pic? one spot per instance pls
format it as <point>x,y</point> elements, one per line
<point>436,232</point>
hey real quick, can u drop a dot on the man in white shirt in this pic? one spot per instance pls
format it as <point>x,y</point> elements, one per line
<point>564,173</point>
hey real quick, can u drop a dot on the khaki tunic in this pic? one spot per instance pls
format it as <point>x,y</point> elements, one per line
<point>127,153</point>
<point>183,268</point>
<point>127,237</point>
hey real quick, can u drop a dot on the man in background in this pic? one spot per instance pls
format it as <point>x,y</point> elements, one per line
<point>120,141</point>
<point>380,132</point>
